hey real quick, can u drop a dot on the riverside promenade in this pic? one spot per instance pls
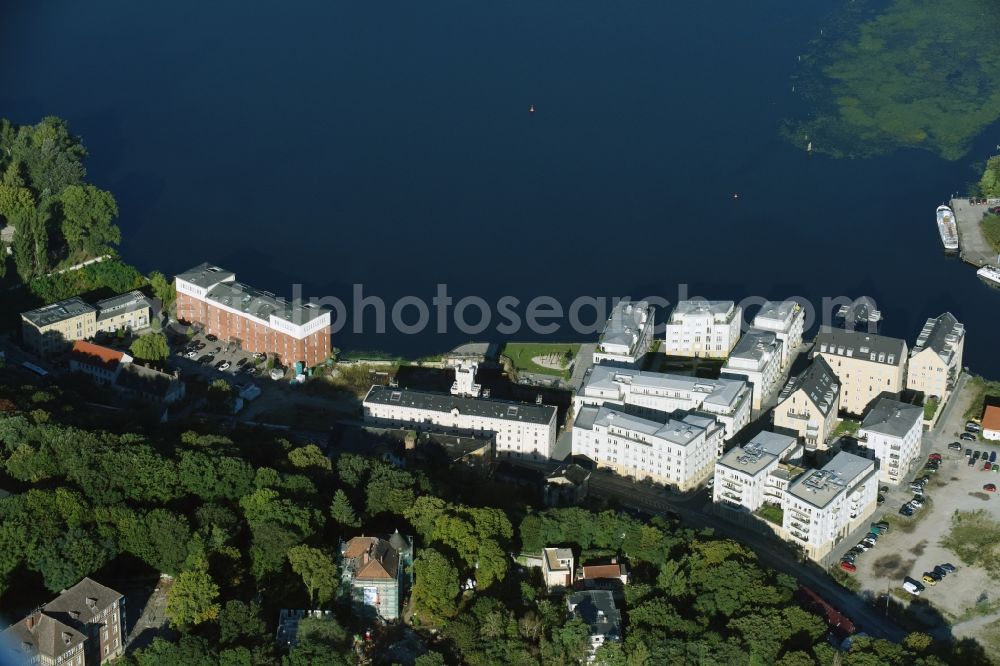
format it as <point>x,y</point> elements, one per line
<point>972,244</point>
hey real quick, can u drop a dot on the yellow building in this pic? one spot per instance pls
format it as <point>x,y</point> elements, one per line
<point>53,328</point>
<point>866,364</point>
<point>808,405</point>
<point>936,360</point>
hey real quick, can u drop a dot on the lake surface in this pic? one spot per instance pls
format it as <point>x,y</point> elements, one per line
<point>390,145</point>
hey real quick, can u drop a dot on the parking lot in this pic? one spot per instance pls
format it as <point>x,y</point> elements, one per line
<point>913,547</point>
<point>208,358</point>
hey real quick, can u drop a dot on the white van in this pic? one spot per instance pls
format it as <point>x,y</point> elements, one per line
<point>911,588</point>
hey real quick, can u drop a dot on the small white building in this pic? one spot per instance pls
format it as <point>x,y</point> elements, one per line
<point>627,336</point>
<point>786,319</point>
<point>893,430</point>
<point>991,423</point>
<point>749,476</point>
<point>823,506</point>
<point>678,450</point>
<point>703,328</point>
<point>521,430</point>
<point>757,358</point>
<point>655,394</point>
<point>558,568</point>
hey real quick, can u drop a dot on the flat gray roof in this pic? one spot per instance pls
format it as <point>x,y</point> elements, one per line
<point>679,428</point>
<point>121,304</point>
<point>703,307</point>
<point>205,275</point>
<point>445,402</point>
<point>754,344</point>
<point>820,486</point>
<point>626,321</point>
<point>723,392</point>
<point>758,453</point>
<point>263,304</point>
<point>52,314</point>
<point>778,310</point>
<point>891,417</point>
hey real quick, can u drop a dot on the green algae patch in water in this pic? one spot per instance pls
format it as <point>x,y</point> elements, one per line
<point>913,74</point>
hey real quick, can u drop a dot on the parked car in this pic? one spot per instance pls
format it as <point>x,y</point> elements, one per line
<point>986,466</point>
<point>191,354</point>
<point>916,583</point>
<point>880,499</point>
<point>225,365</point>
<point>968,453</point>
<point>967,436</point>
<point>848,567</point>
<point>211,338</point>
<point>940,571</point>
<point>243,361</point>
<point>993,456</point>
<point>947,566</point>
<point>863,547</point>
<point>972,461</point>
<point>917,501</point>
<point>990,487</point>
<point>870,541</point>
<point>929,579</point>
<point>955,446</point>
<point>935,456</point>
<point>883,489</point>
<point>906,510</point>
<point>849,556</point>
<point>912,588</point>
<point>882,525</point>
<point>972,426</point>
<point>207,358</point>
<point>976,455</point>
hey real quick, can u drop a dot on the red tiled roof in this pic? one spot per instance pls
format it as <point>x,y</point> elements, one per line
<point>991,418</point>
<point>593,571</point>
<point>88,353</point>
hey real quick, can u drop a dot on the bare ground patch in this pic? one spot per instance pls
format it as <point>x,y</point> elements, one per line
<point>980,495</point>
<point>918,549</point>
<point>892,566</point>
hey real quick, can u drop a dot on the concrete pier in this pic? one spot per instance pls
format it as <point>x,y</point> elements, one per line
<point>973,247</point>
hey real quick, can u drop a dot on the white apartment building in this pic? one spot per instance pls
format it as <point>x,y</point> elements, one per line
<point>627,336</point>
<point>521,430</point>
<point>893,430</point>
<point>808,404</point>
<point>824,506</point>
<point>652,393</point>
<point>936,360</point>
<point>749,476</point>
<point>867,365</point>
<point>757,358</point>
<point>679,450</point>
<point>703,328</point>
<point>786,319</point>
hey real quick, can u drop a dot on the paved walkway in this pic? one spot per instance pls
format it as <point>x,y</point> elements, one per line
<point>973,246</point>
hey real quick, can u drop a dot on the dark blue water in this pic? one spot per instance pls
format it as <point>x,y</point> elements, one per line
<point>390,144</point>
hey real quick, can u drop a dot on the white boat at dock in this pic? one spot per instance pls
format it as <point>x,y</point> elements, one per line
<point>947,228</point>
<point>990,275</point>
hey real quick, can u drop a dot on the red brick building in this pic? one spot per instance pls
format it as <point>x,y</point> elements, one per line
<point>258,320</point>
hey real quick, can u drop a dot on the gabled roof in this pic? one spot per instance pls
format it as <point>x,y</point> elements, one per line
<point>595,571</point>
<point>87,353</point>
<point>87,598</point>
<point>942,335</point>
<point>862,346</point>
<point>991,418</point>
<point>818,382</point>
<point>39,634</point>
<point>371,558</point>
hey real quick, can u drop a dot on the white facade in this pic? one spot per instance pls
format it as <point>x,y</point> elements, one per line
<point>749,476</point>
<point>893,430</point>
<point>757,358</point>
<point>936,360</point>
<point>520,430</point>
<point>676,451</point>
<point>652,393</point>
<point>823,506</point>
<point>703,328</point>
<point>786,319</point>
<point>557,568</point>
<point>627,336</point>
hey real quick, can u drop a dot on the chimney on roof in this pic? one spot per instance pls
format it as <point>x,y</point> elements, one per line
<point>614,560</point>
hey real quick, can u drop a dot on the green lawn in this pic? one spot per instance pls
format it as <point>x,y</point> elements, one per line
<point>991,230</point>
<point>771,513</point>
<point>846,427</point>
<point>522,353</point>
<point>930,408</point>
<point>975,538</point>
